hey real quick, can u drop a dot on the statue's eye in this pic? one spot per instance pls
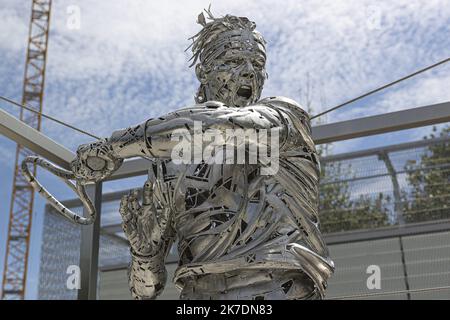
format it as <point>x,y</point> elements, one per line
<point>258,64</point>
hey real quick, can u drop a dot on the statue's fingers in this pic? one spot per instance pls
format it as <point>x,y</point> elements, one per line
<point>148,208</point>
<point>148,224</point>
<point>147,193</point>
<point>134,193</point>
<point>148,229</point>
<point>130,229</point>
<point>123,209</point>
<point>147,212</point>
<point>133,203</point>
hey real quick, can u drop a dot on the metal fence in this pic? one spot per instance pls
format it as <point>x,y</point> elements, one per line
<point>387,186</point>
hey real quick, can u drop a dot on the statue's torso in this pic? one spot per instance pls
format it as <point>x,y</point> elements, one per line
<point>229,217</point>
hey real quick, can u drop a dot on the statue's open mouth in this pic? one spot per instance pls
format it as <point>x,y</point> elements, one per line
<point>245,91</point>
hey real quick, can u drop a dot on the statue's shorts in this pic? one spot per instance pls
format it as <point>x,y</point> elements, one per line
<point>250,285</point>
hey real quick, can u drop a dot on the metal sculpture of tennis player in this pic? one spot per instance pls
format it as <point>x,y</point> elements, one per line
<point>241,234</point>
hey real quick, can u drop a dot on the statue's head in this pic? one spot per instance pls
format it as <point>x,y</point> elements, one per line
<point>229,57</point>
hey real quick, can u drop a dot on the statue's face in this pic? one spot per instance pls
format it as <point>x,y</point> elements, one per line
<point>235,78</point>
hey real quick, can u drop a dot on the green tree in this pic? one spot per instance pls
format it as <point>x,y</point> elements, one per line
<point>429,179</point>
<point>339,212</point>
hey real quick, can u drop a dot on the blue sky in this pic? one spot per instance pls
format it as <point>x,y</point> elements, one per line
<point>126,63</point>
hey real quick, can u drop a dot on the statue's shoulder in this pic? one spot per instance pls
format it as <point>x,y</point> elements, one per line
<point>211,105</point>
<point>285,103</point>
<point>200,108</point>
<point>296,118</point>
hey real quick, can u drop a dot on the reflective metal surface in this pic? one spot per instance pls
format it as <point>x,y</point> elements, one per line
<point>242,234</point>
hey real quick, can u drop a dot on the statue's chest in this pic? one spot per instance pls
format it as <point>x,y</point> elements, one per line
<point>204,193</point>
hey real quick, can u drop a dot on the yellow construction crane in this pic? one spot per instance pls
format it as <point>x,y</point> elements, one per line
<point>18,242</point>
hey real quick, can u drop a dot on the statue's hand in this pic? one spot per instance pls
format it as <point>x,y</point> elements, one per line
<point>142,224</point>
<point>94,162</point>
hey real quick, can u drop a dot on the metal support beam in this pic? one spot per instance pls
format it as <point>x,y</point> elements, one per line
<point>384,156</point>
<point>30,138</point>
<point>387,122</point>
<point>408,229</point>
<point>391,148</point>
<point>89,249</point>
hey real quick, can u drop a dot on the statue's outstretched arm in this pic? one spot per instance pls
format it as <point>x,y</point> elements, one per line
<point>153,138</point>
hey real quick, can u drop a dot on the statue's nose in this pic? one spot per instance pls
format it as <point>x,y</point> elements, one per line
<point>248,72</point>
<point>248,75</point>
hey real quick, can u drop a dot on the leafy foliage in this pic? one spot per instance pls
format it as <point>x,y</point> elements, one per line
<point>339,212</point>
<point>429,180</point>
